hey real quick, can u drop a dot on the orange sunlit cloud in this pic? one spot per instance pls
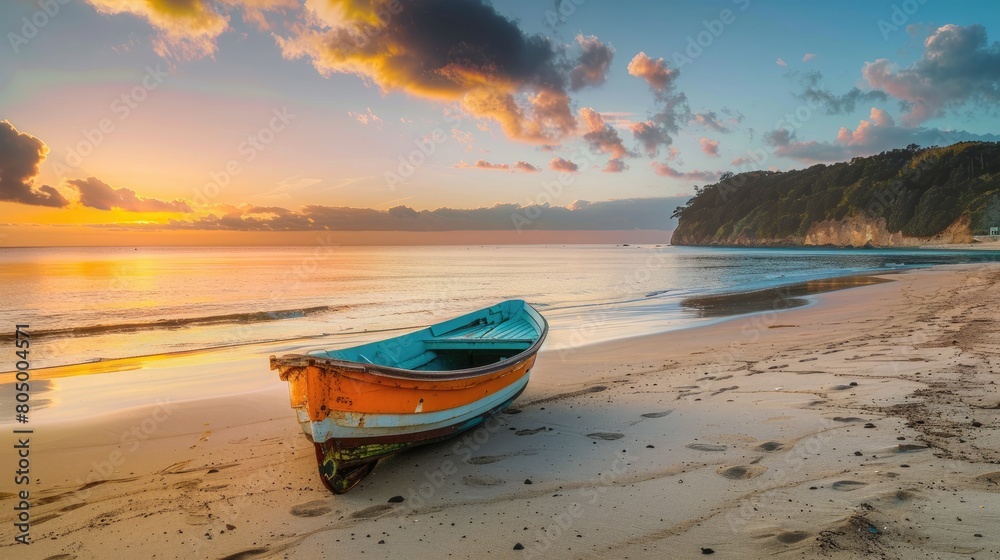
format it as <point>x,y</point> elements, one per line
<point>490,67</point>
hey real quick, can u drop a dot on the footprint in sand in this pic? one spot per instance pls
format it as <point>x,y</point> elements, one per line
<point>187,484</point>
<point>847,485</point>
<point>741,472</point>
<point>482,481</point>
<point>706,447</point>
<point>847,419</point>
<point>909,447</point>
<point>242,555</point>
<point>989,482</point>
<point>901,496</point>
<point>656,414</point>
<point>314,508</point>
<point>487,459</point>
<point>529,432</point>
<point>770,446</point>
<point>790,537</point>
<point>60,557</point>
<point>71,507</point>
<point>50,499</point>
<point>44,518</point>
<point>608,436</point>
<point>594,389</point>
<point>370,512</point>
<point>840,387</point>
<point>175,468</point>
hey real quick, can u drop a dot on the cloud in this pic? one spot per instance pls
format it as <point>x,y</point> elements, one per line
<point>187,29</point>
<point>451,51</point>
<point>862,134</point>
<point>781,62</point>
<point>650,136</point>
<point>367,117</point>
<point>20,154</point>
<point>657,74</point>
<point>710,120</point>
<point>958,67</point>
<point>483,164</point>
<point>616,165</point>
<point>709,147</point>
<point>657,130</point>
<point>876,134</point>
<point>626,214</point>
<point>593,64</point>
<point>560,164</point>
<point>665,170</point>
<point>95,193</point>
<point>464,138</point>
<point>254,11</point>
<point>833,103</point>
<point>808,57</point>
<point>600,136</point>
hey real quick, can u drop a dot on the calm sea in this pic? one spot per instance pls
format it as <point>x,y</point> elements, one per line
<point>89,304</point>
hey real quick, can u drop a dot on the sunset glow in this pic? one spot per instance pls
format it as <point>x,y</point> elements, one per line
<point>223,117</point>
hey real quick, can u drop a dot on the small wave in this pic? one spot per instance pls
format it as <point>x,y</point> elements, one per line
<point>172,324</point>
<point>657,293</point>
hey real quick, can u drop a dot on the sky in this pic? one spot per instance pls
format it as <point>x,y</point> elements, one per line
<point>195,119</point>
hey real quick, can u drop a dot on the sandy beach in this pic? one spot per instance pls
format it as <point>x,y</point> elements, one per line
<point>861,426</point>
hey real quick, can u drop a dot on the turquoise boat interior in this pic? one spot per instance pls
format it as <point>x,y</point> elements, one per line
<point>477,339</point>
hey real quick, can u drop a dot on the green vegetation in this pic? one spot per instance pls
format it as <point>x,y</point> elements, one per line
<point>919,192</point>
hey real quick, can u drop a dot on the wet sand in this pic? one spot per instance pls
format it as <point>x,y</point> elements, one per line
<point>864,426</point>
<point>773,299</point>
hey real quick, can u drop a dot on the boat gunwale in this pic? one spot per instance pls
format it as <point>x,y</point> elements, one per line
<point>348,366</point>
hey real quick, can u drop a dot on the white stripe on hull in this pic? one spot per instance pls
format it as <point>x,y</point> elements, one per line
<point>349,424</point>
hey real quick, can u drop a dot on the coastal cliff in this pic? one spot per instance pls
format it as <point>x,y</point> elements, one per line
<point>904,197</point>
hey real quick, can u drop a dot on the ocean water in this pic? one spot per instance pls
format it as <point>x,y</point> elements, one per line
<point>93,304</point>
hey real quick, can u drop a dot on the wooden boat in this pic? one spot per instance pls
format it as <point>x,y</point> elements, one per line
<point>361,404</point>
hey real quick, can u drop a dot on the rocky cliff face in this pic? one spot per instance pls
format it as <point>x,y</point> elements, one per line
<point>855,231</point>
<point>861,231</point>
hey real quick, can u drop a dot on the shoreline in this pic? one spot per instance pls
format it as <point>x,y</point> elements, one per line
<point>741,435</point>
<point>724,305</point>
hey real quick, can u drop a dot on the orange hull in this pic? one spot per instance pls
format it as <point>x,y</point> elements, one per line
<point>324,388</point>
